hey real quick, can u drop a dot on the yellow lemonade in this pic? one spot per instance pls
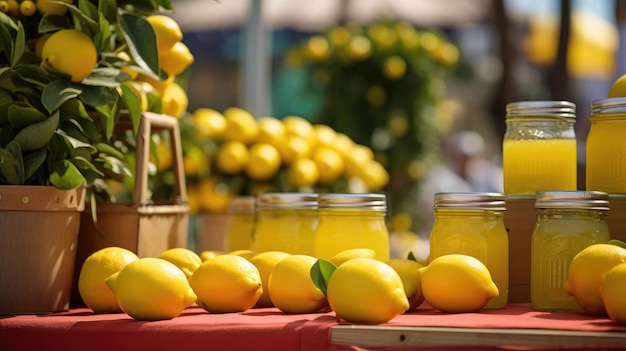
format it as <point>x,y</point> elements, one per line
<point>239,235</point>
<point>533,165</point>
<point>478,232</point>
<point>606,154</point>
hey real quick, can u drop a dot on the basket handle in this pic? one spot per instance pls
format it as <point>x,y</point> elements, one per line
<point>153,121</point>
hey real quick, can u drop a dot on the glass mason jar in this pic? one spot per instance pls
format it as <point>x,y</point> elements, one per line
<point>606,146</point>
<point>285,222</point>
<point>567,222</point>
<point>539,147</point>
<point>241,210</point>
<point>349,221</point>
<point>473,224</point>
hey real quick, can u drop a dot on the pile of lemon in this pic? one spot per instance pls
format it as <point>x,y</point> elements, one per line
<point>289,154</point>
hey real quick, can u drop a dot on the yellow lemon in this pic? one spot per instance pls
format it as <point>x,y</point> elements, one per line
<point>45,7</point>
<point>376,95</point>
<point>241,125</point>
<point>365,290</point>
<point>164,155</point>
<point>167,31</point>
<point>158,85</point>
<point>329,163</point>
<point>245,253</point>
<point>271,131</point>
<point>72,52</point>
<point>214,196</point>
<point>298,126</point>
<point>209,254</point>
<point>457,283</point>
<point>195,162</point>
<point>317,48</point>
<point>374,175</point>
<point>356,159</point>
<point>291,288</point>
<point>95,293</point>
<point>359,48</point>
<point>295,147</point>
<point>618,89</point>
<point>586,273</point>
<point>12,8</point>
<point>209,123</point>
<point>394,67</point>
<point>185,259</point>
<point>339,36</point>
<point>264,161</point>
<point>342,144</point>
<point>612,292</point>
<point>28,8</point>
<point>39,43</point>
<point>226,283</point>
<point>397,125</point>
<point>265,263</point>
<point>176,60</point>
<point>408,270</point>
<point>151,288</point>
<point>324,135</point>
<point>349,254</point>
<point>232,157</point>
<point>303,172</point>
<point>175,100</point>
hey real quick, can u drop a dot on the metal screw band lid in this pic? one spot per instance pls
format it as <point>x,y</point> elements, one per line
<point>550,109</point>
<point>374,202</point>
<point>590,200</point>
<point>287,200</point>
<point>608,106</point>
<point>242,205</point>
<point>471,201</point>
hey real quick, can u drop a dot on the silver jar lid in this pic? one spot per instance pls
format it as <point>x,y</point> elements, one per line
<point>550,109</point>
<point>608,106</point>
<point>471,201</point>
<point>242,205</point>
<point>287,201</point>
<point>577,199</point>
<point>373,202</point>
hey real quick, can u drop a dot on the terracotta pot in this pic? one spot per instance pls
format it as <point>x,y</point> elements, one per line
<point>38,237</point>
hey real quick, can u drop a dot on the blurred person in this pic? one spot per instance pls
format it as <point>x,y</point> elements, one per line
<point>465,169</point>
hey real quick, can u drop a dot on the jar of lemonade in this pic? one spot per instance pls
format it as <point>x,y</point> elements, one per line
<point>539,147</point>
<point>348,221</point>
<point>285,222</point>
<point>606,146</point>
<point>473,224</point>
<point>567,222</point>
<point>241,210</point>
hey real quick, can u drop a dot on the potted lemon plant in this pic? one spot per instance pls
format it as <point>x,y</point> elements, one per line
<point>66,71</point>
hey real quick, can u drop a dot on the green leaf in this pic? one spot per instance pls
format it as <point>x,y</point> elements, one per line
<point>411,256</point>
<point>617,243</point>
<point>66,175</point>
<point>108,9</point>
<point>82,20</point>
<point>106,77</point>
<point>19,45</point>
<point>133,105</point>
<point>51,23</point>
<point>7,168</point>
<point>6,20</point>
<point>141,40</point>
<point>86,166</point>
<point>108,120</point>
<point>18,161</point>
<point>114,165</point>
<point>109,150</point>
<point>321,272</point>
<point>6,39</point>
<point>58,92</point>
<point>102,39</point>
<point>22,115</point>
<point>36,135</point>
<point>97,95</point>
<point>33,160</point>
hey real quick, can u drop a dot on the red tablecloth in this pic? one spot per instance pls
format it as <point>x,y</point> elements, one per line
<point>259,329</point>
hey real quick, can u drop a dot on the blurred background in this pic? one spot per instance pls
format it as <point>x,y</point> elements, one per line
<point>422,83</point>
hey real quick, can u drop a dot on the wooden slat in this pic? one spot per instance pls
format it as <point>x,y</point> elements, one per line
<point>377,336</point>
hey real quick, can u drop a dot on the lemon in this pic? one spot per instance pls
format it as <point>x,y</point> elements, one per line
<point>264,161</point>
<point>70,51</point>
<point>232,157</point>
<point>241,125</point>
<point>394,67</point>
<point>209,254</point>
<point>618,89</point>
<point>291,288</point>
<point>342,144</point>
<point>176,60</point>
<point>174,100</point>
<point>303,172</point>
<point>298,126</point>
<point>359,48</point>
<point>356,159</point>
<point>612,292</point>
<point>45,7</point>
<point>408,270</point>
<point>365,290</point>
<point>329,163</point>
<point>167,31</point>
<point>294,148</point>
<point>245,253</point>
<point>209,123</point>
<point>151,288</point>
<point>265,263</point>
<point>374,175</point>
<point>586,273</point>
<point>376,95</point>
<point>214,197</point>
<point>317,48</point>
<point>185,259</point>
<point>349,254</point>
<point>457,283</point>
<point>339,36</point>
<point>226,283</point>
<point>271,131</point>
<point>98,266</point>
<point>28,8</point>
<point>324,135</point>
<point>13,8</point>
